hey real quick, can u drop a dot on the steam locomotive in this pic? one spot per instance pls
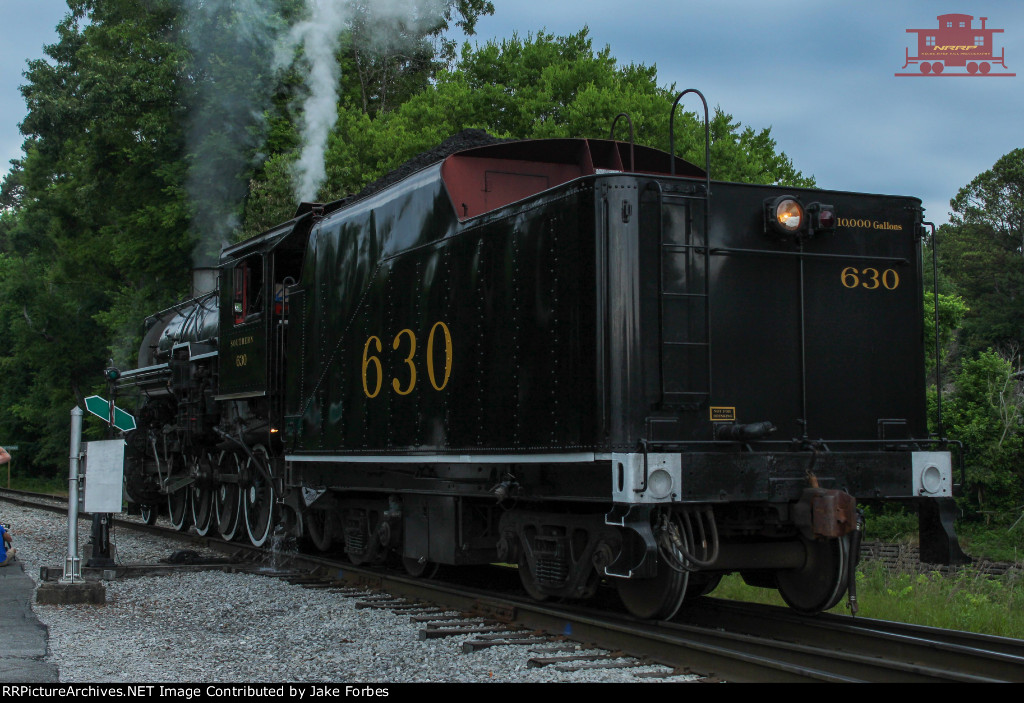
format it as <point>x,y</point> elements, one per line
<point>578,356</point>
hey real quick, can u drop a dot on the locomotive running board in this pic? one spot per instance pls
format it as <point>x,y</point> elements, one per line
<point>239,396</point>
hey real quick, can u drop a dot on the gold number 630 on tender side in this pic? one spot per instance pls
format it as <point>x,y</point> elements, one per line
<point>870,278</point>
<point>370,359</point>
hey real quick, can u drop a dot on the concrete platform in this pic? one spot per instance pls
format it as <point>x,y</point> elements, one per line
<point>24,641</point>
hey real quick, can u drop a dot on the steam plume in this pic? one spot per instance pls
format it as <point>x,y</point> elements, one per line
<point>232,44</point>
<point>240,47</point>
<point>385,25</point>
<point>319,36</point>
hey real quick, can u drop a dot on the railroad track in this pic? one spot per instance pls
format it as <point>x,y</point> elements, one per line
<point>719,640</point>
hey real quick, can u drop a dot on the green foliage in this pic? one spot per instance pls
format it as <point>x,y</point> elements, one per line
<point>387,56</point>
<point>544,86</point>
<point>990,278</point>
<point>231,81</point>
<point>890,523</point>
<point>982,330</point>
<point>55,486</point>
<point>985,414</point>
<point>952,310</point>
<point>993,542</point>
<point>995,200</point>
<point>966,600</point>
<point>981,253</point>
<point>99,184</point>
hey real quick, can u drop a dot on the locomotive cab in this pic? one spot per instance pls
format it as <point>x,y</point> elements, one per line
<point>253,308</point>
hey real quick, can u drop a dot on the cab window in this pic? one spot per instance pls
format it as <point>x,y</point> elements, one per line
<point>247,287</point>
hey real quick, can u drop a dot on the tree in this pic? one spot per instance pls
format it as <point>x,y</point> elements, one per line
<point>233,96</point>
<point>981,253</point>
<point>951,312</point>
<point>985,414</point>
<point>98,218</point>
<point>543,86</point>
<point>995,201</point>
<point>546,86</point>
<point>394,50</point>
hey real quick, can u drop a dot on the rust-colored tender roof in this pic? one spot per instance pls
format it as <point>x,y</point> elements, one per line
<point>489,177</point>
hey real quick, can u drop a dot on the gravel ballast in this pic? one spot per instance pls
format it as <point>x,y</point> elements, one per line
<point>214,627</point>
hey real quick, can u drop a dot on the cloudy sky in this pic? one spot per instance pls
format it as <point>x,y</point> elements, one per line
<point>820,73</point>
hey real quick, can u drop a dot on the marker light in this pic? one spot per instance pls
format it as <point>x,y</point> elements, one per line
<point>785,215</point>
<point>823,217</point>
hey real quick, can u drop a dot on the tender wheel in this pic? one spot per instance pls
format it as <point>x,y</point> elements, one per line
<point>228,499</point>
<point>361,530</point>
<point>320,526</point>
<point>702,584</point>
<point>420,568</point>
<point>373,553</point>
<point>658,598</point>
<point>822,581</point>
<point>148,513</point>
<point>177,508</point>
<point>258,499</point>
<point>528,580</point>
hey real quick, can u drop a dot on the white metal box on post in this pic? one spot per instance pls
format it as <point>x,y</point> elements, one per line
<point>104,476</point>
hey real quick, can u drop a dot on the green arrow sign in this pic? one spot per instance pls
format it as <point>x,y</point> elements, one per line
<point>101,407</point>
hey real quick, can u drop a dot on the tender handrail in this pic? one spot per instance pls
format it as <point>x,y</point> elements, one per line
<point>707,136</point>
<point>611,135</point>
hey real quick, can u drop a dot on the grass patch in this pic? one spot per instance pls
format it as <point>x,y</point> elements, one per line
<point>967,600</point>
<point>35,484</point>
<point>891,523</point>
<point>992,540</point>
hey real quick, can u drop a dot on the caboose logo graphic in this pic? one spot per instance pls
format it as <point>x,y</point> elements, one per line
<point>955,48</point>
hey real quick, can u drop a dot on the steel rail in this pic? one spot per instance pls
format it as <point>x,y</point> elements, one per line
<point>964,654</point>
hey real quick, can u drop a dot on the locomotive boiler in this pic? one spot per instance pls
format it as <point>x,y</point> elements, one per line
<point>581,357</point>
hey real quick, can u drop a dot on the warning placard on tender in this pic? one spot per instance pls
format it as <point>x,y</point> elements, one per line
<point>721,414</point>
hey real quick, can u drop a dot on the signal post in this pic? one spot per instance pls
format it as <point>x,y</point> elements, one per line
<point>102,499</point>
